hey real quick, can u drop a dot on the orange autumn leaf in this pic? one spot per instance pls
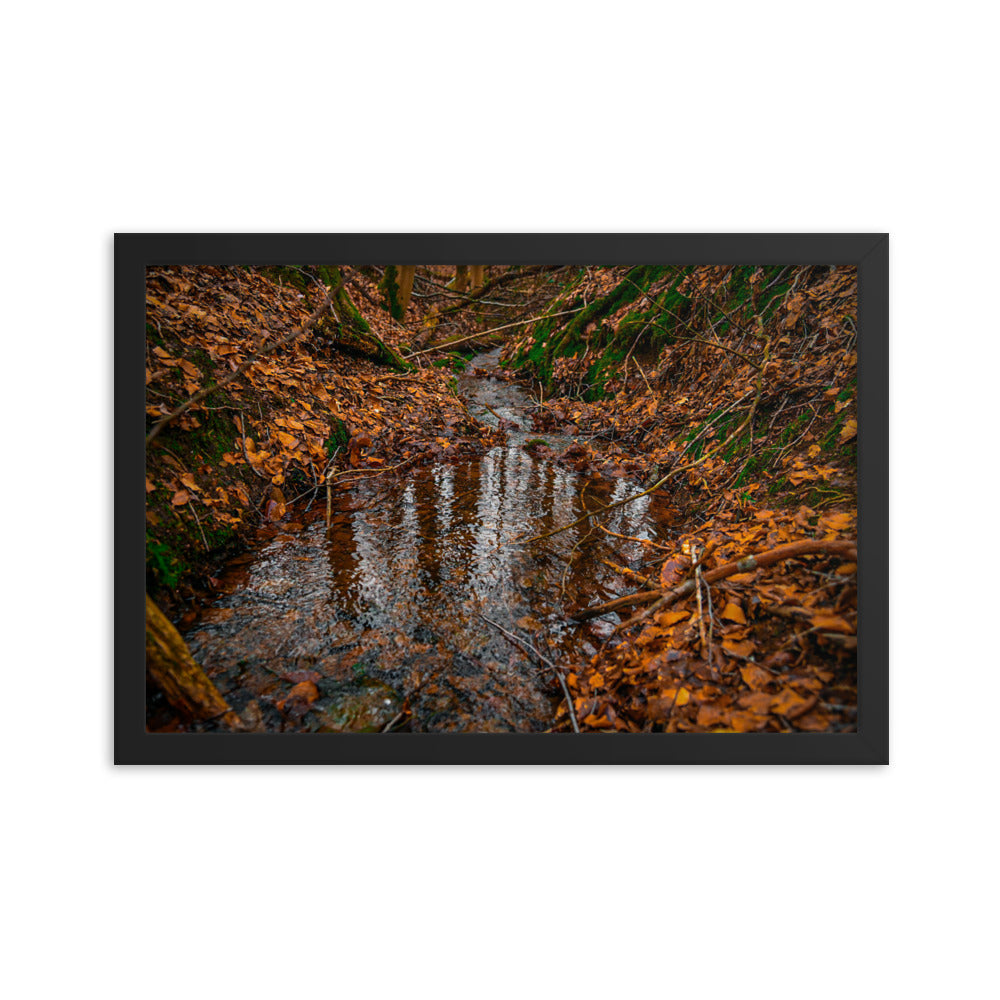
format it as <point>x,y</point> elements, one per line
<point>306,690</point>
<point>673,572</point>
<point>791,704</point>
<point>756,678</point>
<point>758,702</point>
<point>711,715</point>
<point>812,722</point>
<point>746,722</point>
<point>738,647</point>
<point>652,634</point>
<point>734,613</point>
<point>180,498</point>
<point>836,522</point>
<point>188,480</point>
<point>668,618</point>
<point>832,623</point>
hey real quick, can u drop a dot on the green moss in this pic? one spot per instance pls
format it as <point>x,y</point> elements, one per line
<point>338,436</point>
<point>633,284</point>
<point>164,565</point>
<point>453,362</point>
<point>600,372</point>
<point>153,335</point>
<point>389,287</point>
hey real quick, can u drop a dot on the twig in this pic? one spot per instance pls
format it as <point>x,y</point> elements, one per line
<point>243,442</point>
<point>528,648</point>
<point>486,333</point>
<point>393,721</point>
<point>625,571</point>
<point>491,410</point>
<point>198,522</point>
<point>711,624</point>
<point>756,400</point>
<point>369,472</point>
<point>697,590</point>
<point>633,538</point>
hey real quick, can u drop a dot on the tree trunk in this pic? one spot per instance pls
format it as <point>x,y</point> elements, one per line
<point>170,666</point>
<point>476,273</point>
<point>406,273</point>
<point>461,280</point>
<point>397,287</point>
<point>349,321</point>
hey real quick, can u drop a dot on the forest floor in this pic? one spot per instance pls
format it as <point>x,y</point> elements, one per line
<point>750,442</point>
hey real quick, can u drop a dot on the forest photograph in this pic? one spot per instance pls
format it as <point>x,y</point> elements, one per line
<point>510,498</point>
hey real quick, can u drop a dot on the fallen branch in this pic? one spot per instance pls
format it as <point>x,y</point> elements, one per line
<point>846,549</point>
<point>531,651</point>
<point>625,571</point>
<point>172,669</point>
<point>486,333</point>
<point>634,538</point>
<point>502,279</point>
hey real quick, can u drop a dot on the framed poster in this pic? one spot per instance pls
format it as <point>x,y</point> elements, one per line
<point>535,499</point>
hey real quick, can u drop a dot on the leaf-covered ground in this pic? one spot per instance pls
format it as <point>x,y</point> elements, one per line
<point>731,391</point>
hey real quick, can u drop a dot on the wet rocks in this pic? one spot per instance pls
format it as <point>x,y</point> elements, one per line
<point>360,706</point>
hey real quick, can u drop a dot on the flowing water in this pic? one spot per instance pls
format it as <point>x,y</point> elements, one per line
<point>386,609</point>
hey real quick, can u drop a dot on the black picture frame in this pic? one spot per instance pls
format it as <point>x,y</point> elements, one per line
<point>133,252</point>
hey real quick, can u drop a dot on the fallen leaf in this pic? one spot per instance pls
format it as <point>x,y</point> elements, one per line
<point>836,522</point>
<point>755,678</point>
<point>667,618</point>
<point>791,704</point>
<point>734,613</point>
<point>673,572</point>
<point>738,647</point>
<point>832,623</point>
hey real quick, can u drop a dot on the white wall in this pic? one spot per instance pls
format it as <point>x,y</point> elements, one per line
<point>140,882</point>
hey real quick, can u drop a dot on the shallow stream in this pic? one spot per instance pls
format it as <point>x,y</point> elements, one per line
<point>385,611</point>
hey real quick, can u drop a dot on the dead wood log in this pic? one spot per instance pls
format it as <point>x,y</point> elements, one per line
<point>170,666</point>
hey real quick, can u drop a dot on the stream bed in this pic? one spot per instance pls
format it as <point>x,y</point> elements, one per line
<point>378,622</point>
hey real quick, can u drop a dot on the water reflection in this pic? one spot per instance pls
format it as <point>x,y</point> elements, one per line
<point>396,587</point>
